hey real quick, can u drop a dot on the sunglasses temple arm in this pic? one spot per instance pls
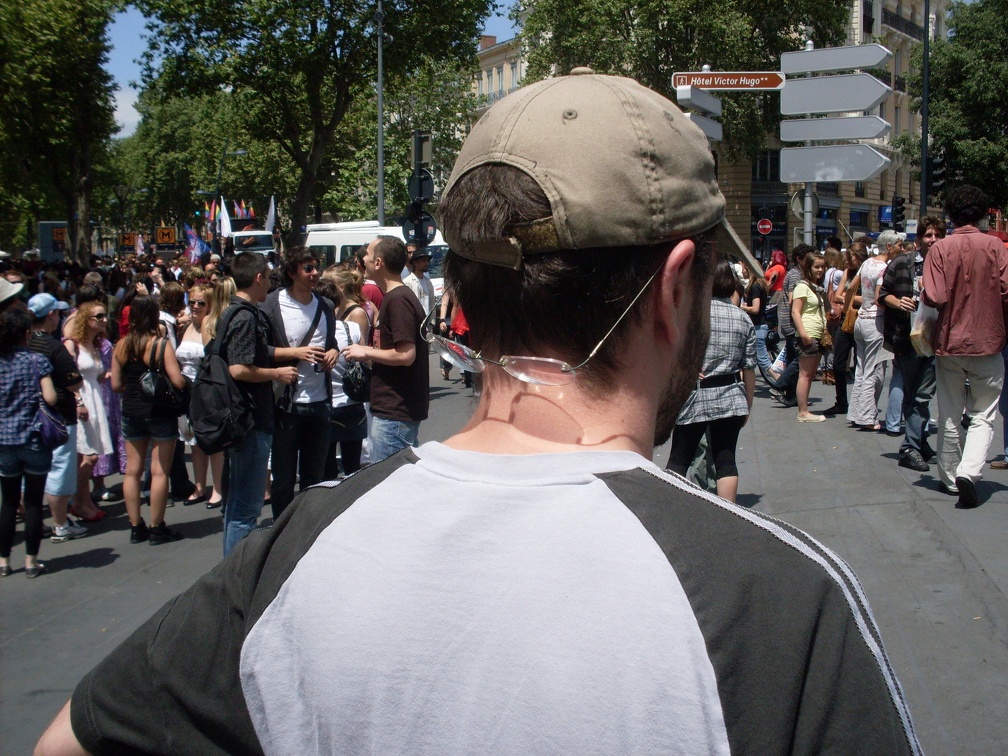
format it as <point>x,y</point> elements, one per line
<point>618,321</point>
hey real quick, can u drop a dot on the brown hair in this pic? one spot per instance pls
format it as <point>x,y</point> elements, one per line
<point>806,265</point>
<point>565,301</point>
<point>172,298</point>
<point>857,249</point>
<point>930,221</point>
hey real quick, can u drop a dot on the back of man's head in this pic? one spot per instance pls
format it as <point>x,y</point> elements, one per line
<point>245,267</point>
<point>799,253</point>
<point>552,236</point>
<point>966,205</point>
<point>392,252</point>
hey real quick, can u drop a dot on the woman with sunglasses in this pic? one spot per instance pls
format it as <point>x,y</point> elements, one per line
<point>189,355</point>
<point>94,437</point>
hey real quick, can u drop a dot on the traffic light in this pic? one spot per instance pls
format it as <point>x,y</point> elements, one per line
<point>936,172</point>
<point>898,212</point>
<point>420,225</point>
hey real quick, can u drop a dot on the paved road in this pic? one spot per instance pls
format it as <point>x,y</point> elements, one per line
<point>936,577</point>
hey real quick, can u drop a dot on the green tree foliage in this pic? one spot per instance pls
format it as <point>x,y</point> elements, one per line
<point>296,69</point>
<point>56,108</point>
<point>649,40</point>
<point>968,111</point>
<point>437,97</point>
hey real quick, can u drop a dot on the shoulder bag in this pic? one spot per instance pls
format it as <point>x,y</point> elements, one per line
<point>155,386</point>
<point>48,424</point>
<point>356,377</point>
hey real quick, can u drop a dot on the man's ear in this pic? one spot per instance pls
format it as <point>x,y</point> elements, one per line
<point>674,294</point>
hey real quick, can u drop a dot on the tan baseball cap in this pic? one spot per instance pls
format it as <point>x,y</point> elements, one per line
<point>620,164</point>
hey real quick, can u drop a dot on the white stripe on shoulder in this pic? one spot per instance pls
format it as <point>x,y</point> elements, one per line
<point>834,566</point>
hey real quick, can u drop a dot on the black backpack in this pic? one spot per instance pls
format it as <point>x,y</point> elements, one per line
<point>218,412</point>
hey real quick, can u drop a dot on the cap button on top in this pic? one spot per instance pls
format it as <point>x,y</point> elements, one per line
<point>581,71</point>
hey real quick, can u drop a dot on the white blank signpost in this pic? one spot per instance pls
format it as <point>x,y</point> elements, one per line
<point>831,94</point>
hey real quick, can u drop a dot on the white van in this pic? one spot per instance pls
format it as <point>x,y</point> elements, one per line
<point>336,242</point>
<point>253,240</point>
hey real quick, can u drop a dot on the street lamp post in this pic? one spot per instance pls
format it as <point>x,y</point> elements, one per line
<point>379,18</point>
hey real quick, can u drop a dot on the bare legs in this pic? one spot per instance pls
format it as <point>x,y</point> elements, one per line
<point>806,374</point>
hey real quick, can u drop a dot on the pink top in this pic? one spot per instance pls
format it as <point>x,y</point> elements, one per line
<point>966,279</point>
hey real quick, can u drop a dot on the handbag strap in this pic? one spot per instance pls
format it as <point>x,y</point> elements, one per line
<point>157,355</point>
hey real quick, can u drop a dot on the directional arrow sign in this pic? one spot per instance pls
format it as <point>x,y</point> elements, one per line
<point>832,94</point>
<point>835,59</point>
<point>839,162</point>
<point>711,128</point>
<point>692,97</point>
<point>730,81</point>
<point>834,129</point>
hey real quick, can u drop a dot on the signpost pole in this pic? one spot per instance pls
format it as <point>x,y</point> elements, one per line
<point>809,190</point>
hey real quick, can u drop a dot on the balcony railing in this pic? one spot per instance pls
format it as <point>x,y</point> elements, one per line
<point>904,25</point>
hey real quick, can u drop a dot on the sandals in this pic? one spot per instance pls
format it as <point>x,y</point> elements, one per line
<point>875,428</point>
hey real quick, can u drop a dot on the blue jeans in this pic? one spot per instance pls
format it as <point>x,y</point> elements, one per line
<point>246,486</point>
<point>894,406</point>
<point>919,383</point>
<point>762,356</point>
<point>389,436</point>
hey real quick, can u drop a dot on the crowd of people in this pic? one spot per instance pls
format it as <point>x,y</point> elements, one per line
<point>930,314</point>
<point>289,331</point>
<point>843,314</point>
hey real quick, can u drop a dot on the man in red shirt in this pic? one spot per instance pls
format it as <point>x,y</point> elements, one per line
<point>966,279</point>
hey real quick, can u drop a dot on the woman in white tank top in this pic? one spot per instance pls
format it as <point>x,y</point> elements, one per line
<point>190,354</point>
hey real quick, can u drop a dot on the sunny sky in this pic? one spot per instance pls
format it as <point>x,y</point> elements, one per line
<point>127,35</point>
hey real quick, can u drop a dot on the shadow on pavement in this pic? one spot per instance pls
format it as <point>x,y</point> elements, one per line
<point>94,558</point>
<point>748,500</point>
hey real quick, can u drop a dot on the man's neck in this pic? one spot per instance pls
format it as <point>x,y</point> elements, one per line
<point>245,295</point>
<point>300,294</point>
<point>386,282</point>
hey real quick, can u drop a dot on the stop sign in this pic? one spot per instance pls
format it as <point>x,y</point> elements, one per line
<point>764,226</point>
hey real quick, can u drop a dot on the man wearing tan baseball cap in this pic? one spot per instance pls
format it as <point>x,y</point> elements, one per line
<point>535,584</point>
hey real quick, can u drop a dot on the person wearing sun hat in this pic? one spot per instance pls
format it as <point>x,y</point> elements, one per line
<point>9,293</point>
<point>535,583</point>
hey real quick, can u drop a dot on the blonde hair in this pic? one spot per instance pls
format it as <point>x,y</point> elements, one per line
<point>221,293</point>
<point>82,317</point>
<point>347,280</point>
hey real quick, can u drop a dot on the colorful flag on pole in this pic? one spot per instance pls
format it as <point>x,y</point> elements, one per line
<point>271,215</point>
<point>192,244</point>
<point>250,211</point>
<point>213,210</point>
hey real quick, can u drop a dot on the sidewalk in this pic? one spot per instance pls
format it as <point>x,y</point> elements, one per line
<point>936,576</point>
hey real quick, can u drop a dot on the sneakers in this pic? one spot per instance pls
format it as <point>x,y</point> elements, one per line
<point>967,494</point>
<point>67,532</point>
<point>811,419</point>
<point>999,464</point>
<point>163,534</point>
<point>139,533</point>
<point>834,411</point>
<point>927,452</point>
<point>913,460</point>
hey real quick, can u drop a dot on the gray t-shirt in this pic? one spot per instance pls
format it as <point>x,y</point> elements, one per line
<point>553,603</point>
<point>791,279</point>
